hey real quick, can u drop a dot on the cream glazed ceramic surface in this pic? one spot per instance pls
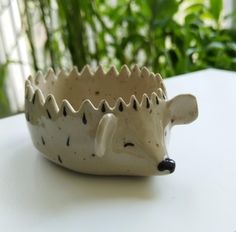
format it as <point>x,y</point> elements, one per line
<point>113,123</point>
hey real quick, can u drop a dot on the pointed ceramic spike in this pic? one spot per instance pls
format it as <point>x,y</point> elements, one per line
<point>154,98</point>
<point>29,92</point>
<point>158,76</point>
<point>27,82</point>
<point>161,84</point>
<point>135,72</point>
<point>50,75</point>
<point>145,102</point>
<point>39,78</point>
<point>148,103</point>
<point>120,105</point>
<point>144,72</point>
<point>27,86</point>
<point>124,72</point>
<point>164,89</point>
<point>158,79</point>
<point>143,99</point>
<point>134,103</point>
<point>74,73</point>
<point>66,109</point>
<point>104,106</point>
<point>30,78</point>
<point>75,69</point>
<point>49,98</point>
<point>50,70</point>
<point>38,97</point>
<point>135,68</point>
<point>86,105</point>
<point>112,72</point>
<point>62,74</point>
<point>152,75</point>
<point>161,94</point>
<point>51,106</point>
<point>164,95</point>
<point>85,110</point>
<point>99,72</point>
<point>86,72</point>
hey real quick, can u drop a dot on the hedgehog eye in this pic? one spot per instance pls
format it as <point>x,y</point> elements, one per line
<point>128,144</point>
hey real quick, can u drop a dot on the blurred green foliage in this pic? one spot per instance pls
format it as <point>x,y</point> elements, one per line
<point>168,36</point>
<point>4,104</point>
<point>149,33</point>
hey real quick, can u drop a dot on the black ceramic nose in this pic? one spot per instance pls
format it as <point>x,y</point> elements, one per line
<point>167,164</point>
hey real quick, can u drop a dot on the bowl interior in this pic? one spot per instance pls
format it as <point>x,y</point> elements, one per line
<point>98,86</point>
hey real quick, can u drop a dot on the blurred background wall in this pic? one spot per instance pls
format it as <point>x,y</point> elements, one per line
<point>168,36</point>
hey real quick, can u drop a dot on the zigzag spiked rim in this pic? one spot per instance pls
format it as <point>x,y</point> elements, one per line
<point>44,90</point>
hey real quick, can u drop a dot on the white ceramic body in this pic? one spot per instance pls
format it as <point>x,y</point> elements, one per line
<point>104,123</point>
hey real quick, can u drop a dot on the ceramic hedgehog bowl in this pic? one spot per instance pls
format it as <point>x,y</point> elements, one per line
<point>113,123</point>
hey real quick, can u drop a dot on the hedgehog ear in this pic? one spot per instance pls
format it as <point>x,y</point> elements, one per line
<point>104,133</point>
<point>183,109</point>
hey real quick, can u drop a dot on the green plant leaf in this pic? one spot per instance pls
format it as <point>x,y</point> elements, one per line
<point>195,8</point>
<point>163,9</point>
<point>216,7</point>
<point>232,46</point>
<point>216,46</point>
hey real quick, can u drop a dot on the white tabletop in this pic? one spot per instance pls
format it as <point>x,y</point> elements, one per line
<point>36,195</point>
